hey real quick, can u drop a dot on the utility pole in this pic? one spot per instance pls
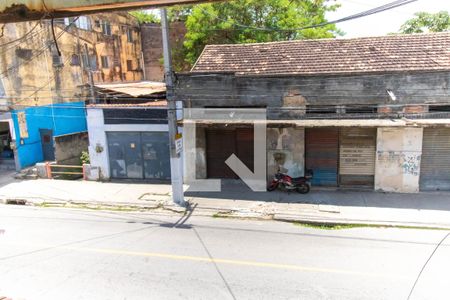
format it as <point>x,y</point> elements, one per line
<point>89,71</point>
<point>176,167</point>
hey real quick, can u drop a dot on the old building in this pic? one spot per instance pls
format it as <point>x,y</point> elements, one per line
<point>152,43</point>
<point>366,112</point>
<point>128,137</point>
<point>46,67</point>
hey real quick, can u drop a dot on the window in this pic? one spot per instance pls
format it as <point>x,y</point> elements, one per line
<point>439,108</point>
<point>93,61</point>
<point>84,23</point>
<point>24,53</point>
<point>105,62</point>
<point>106,28</point>
<point>129,65</point>
<point>57,60</point>
<point>75,60</point>
<point>130,35</point>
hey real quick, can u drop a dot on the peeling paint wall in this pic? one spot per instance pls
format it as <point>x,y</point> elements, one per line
<point>33,75</point>
<point>285,150</point>
<point>397,166</point>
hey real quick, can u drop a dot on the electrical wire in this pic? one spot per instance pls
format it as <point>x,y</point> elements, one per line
<point>42,50</point>
<point>365,13</point>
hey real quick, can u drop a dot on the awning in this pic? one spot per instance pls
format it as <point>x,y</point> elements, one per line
<point>332,123</point>
<point>133,89</point>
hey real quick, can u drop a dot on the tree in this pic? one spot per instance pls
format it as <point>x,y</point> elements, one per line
<point>251,21</point>
<point>427,22</point>
<point>144,16</point>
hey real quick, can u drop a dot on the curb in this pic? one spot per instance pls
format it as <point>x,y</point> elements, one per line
<point>210,211</point>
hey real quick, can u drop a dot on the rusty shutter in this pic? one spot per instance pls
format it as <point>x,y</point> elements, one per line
<point>221,143</point>
<point>357,156</point>
<point>435,163</point>
<point>321,155</point>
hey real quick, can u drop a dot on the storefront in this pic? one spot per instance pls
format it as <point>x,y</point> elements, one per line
<point>341,156</point>
<point>139,155</point>
<point>221,144</point>
<point>435,163</point>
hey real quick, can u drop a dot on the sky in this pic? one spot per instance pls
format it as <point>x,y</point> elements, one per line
<point>384,22</point>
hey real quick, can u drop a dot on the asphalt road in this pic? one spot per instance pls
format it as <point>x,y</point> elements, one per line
<point>79,254</point>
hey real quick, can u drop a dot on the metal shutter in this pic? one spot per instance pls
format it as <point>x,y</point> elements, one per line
<point>435,164</point>
<point>357,156</point>
<point>221,143</point>
<point>321,155</point>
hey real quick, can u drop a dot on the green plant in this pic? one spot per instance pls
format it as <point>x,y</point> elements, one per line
<point>84,158</point>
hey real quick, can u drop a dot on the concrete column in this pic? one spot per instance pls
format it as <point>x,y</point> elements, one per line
<point>194,151</point>
<point>397,166</point>
<point>98,145</point>
<point>286,150</point>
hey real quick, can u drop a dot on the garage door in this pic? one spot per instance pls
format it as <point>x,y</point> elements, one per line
<point>139,155</point>
<point>435,164</point>
<point>357,156</point>
<point>221,143</point>
<point>321,155</point>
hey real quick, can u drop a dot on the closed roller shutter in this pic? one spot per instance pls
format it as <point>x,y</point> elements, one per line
<point>357,156</point>
<point>321,155</point>
<point>435,165</point>
<point>221,144</point>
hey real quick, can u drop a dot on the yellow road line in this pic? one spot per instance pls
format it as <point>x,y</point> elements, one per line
<point>216,260</point>
<point>228,261</point>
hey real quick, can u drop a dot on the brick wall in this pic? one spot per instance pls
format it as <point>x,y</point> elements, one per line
<point>152,48</point>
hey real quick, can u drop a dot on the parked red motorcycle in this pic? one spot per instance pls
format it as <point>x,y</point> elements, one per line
<point>285,182</point>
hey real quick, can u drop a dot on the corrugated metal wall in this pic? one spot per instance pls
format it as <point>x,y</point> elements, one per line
<point>435,163</point>
<point>357,156</point>
<point>321,155</point>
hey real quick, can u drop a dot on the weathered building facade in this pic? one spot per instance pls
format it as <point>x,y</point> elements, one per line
<point>366,112</point>
<point>153,45</point>
<point>45,64</point>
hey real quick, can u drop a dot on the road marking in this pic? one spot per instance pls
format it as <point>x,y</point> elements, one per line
<point>229,261</point>
<point>218,261</point>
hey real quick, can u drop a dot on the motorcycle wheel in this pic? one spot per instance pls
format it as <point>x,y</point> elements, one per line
<point>272,187</point>
<point>303,189</point>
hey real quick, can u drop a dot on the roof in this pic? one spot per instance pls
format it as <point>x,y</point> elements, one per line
<point>392,53</point>
<point>154,104</point>
<point>134,89</point>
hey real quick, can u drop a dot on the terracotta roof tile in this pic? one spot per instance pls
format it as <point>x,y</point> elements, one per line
<point>415,52</point>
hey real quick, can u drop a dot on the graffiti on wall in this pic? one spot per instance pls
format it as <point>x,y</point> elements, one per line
<point>409,162</point>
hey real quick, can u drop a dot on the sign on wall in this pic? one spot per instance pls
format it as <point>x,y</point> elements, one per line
<point>23,128</point>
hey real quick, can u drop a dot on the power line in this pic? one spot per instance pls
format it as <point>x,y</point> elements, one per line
<point>366,13</point>
<point>42,50</point>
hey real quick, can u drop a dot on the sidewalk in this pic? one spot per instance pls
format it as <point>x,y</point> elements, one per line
<point>236,200</point>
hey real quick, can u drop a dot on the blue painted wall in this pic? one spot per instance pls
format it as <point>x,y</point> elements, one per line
<point>62,118</point>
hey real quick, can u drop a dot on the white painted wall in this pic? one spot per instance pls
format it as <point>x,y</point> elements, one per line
<point>97,130</point>
<point>397,166</point>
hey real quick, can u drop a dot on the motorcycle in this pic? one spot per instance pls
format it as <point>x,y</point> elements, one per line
<point>285,182</point>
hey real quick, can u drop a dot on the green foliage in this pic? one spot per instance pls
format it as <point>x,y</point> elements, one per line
<point>221,22</point>
<point>145,17</point>
<point>84,158</point>
<point>426,22</point>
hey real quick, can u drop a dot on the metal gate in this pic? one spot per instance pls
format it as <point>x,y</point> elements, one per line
<point>221,143</point>
<point>321,155</point>
<point>357,148</point>
<point>435,163</point>
<point>48,147</point>
<point>139,155</point>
